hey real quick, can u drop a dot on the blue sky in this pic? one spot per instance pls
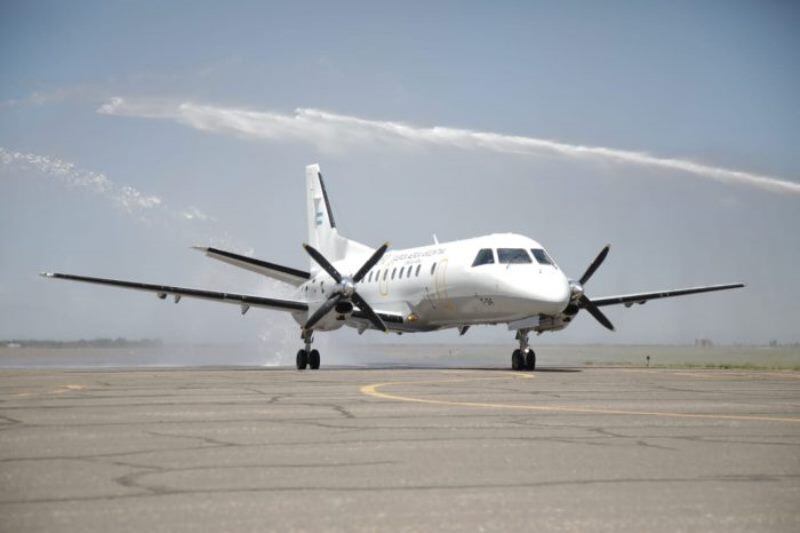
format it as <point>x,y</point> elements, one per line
<point>709,82</point>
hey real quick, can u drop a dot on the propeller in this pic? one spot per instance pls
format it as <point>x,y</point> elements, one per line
<point>345,290</point>
<point>595,264</point>
<point>587,304</point>
<point>579,298</point>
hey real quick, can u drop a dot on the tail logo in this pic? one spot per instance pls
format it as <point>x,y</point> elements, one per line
<point>319,214</point>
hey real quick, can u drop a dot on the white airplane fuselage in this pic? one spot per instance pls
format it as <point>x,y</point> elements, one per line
<point>437,286</point>
<point>494,279</point>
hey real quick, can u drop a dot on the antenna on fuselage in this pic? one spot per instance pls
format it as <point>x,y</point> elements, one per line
<point>435,240</point>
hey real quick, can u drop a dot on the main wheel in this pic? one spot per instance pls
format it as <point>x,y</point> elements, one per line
<point>302,359</point>
<point>517,360</point>
<point>313,359</point>
<point>530,360</point>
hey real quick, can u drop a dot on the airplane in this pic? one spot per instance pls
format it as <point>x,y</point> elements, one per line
<point>493,279</point>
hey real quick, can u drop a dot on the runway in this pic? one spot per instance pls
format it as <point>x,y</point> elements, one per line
<point>559,449</point>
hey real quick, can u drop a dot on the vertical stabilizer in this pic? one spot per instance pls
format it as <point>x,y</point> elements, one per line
<point>322,232</point>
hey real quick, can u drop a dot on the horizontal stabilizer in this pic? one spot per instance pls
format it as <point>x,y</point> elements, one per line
<point>289,275</point>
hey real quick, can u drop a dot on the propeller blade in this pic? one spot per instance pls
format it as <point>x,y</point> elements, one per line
<point>587,304</point>
<point>595,264</point>
<point>367,310</point>
<point>371,262</point>
<point>321,261</point>
<point>323,310</point>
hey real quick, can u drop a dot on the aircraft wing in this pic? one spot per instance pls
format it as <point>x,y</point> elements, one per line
<point>640,298</point>
<point>245,301</point>
<point>282,273</point>
<point>390,319</point>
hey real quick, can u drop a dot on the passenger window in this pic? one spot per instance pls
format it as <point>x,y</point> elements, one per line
<point>402,269</point>
<point>433,268</point>
<point>385,272</point>
<point>542,257</point>
<point>393,272</point>
<point>512,255</point>
<point>484,257</point>
<point>369,277</point>
<point>418,267</point>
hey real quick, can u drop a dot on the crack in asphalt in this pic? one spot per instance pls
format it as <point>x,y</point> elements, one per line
<point>162,491</point>
<point>337,441</point>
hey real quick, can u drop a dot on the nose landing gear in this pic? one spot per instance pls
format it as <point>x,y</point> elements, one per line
<point>524,358</point>
<point>306,357</point>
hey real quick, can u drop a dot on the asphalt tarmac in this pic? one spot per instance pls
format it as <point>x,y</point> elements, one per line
<point>571,449</point>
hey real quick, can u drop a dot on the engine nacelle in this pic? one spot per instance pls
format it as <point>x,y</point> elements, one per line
<point>344,308</point>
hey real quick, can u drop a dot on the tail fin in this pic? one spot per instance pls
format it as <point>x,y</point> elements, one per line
<point>322,232</point>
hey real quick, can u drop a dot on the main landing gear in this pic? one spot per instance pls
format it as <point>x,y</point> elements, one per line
<point>524,358</point>
<point>306,357</point>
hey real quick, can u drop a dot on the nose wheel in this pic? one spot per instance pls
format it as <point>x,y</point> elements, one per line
<point>306,357</point>
<point>523,358</point>
<point>530,359</point>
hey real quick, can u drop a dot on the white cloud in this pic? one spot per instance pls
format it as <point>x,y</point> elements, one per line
<point>330,131</point>
<point>192,213</point>
<point>54,96</point>
<point>124,197</point>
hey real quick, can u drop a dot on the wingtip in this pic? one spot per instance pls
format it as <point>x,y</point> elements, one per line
<point>201,248</point>
<point>47,274</point>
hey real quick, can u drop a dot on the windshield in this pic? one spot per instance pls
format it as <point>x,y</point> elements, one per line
<point>484,257</point>
<point>513,255</point>
<point>542,257</point>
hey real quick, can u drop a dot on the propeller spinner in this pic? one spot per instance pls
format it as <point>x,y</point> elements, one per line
<point>579,300</point>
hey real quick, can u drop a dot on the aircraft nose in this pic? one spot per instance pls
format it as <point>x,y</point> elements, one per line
<point>553,291</point>
<point>556,291</point>
<point>547,290</point>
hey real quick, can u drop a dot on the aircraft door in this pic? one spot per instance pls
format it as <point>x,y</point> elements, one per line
<point>440,280</point>
<point>383,281</point>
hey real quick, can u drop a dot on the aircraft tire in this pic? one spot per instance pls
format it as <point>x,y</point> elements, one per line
<point>302,359</point>
<point>530,360</point>
<point>313,359</point>
<point>517,360</point>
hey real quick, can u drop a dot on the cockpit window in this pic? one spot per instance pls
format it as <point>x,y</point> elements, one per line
<point>513,255</point>
<point>484,257</point>
<point>542,257</point>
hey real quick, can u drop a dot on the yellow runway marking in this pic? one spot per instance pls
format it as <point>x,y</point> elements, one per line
<point>61,390</point>
<point>373,390</point>
<point>68,388</point>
